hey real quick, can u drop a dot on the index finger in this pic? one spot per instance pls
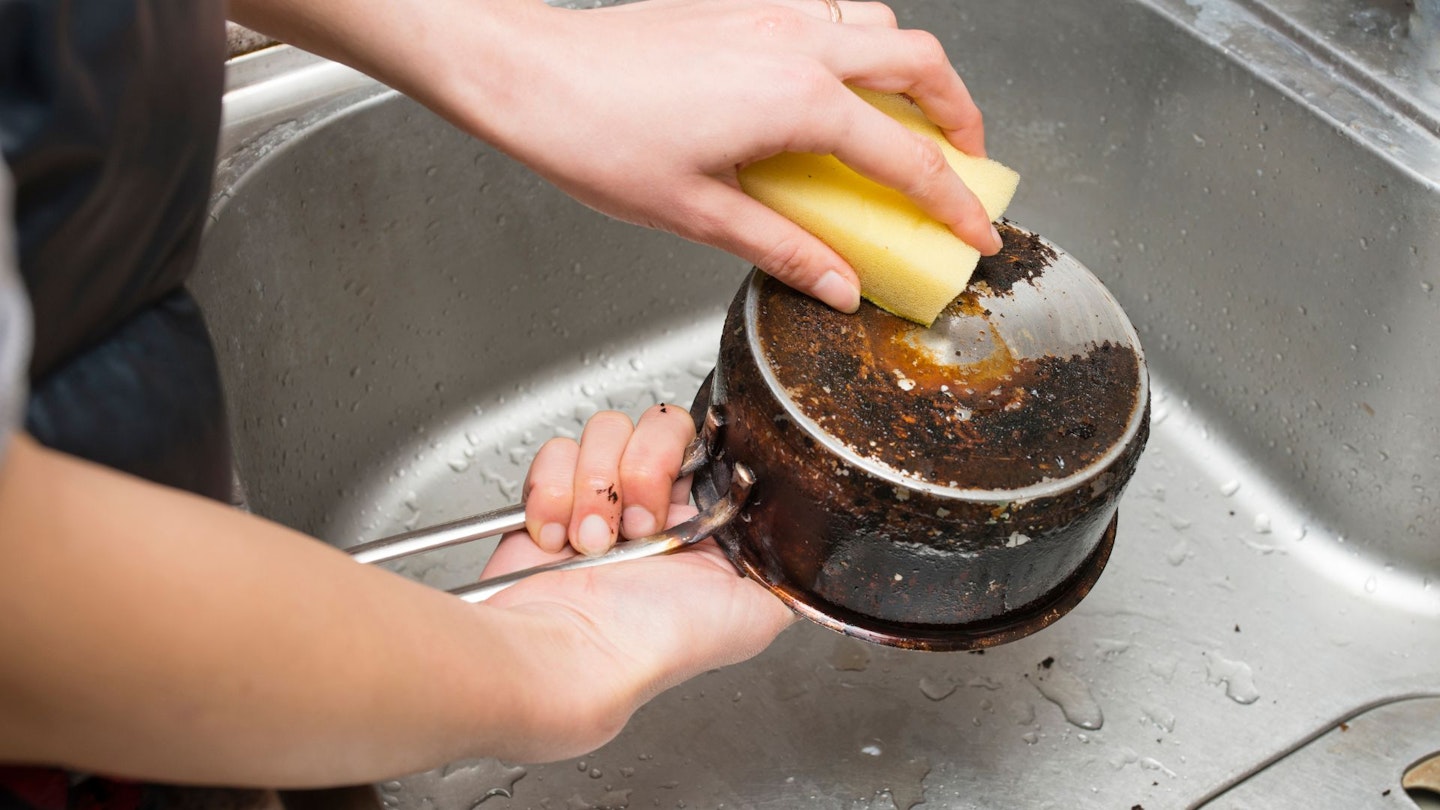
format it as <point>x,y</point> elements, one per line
<point>914,63</point>
<point>886,151</point>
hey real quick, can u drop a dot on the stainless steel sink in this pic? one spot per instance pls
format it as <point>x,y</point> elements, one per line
<point>404,315</point>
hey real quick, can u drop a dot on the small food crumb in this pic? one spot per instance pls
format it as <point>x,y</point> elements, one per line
<point>1048,662</point>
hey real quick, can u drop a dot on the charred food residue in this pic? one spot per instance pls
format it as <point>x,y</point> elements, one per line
<point>1024,258</point>
<point>999,422</point>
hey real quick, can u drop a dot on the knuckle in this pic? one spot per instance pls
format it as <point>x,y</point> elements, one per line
<point>975,120</point>
<point>814,81</point>
<point>550,463</point>
<point>778,21</point>
<point>973,116</point>
<point>597,485</point>
<point>926,49</point>
<point>968,118</point>
<point>704,224</point>
<point>932,170</point>
<point>642,477</point>
<point>798,79</point>
<point>785,260</point>
<point>883,14</point>
<point>548,493</point>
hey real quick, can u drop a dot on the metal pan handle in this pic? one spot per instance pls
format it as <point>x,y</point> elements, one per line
<point>691,531</point>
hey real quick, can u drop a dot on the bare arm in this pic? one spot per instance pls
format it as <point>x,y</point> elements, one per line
<point>154,634</point>
<point>644,111</point>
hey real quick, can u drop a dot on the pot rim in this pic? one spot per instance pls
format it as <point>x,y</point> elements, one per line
<point>1044,489</point>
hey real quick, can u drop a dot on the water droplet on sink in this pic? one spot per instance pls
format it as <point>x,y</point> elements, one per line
<point>1179,553</point>
<point>1229,488</point>
<point>1109,648</point>
<point>1262,523</point>
<point>1030,737</point>
<point>937,688</point>
<point>1162,718</point>
<point>1371,584</point>
<point>983,682</point>
<point>871,750</point>
<point>1067,691</point>
<point>1237,676</point>
<point>1152,764</point>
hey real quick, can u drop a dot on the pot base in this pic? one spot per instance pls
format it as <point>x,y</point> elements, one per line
<point>978,635</point>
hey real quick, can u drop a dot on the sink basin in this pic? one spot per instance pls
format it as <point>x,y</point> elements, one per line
<point>403,315</point>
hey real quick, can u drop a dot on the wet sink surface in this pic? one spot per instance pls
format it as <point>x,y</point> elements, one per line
<point>404,316</point>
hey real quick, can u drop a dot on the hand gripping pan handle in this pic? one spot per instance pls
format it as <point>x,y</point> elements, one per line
<point>511,518</point>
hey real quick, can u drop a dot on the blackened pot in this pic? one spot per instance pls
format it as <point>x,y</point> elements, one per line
<point>945,488</point>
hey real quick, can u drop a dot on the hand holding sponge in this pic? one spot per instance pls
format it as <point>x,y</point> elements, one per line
<point>908,263</point>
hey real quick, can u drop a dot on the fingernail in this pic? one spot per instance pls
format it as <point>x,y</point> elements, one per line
<point>995,235</point>
<point>835,290</point>
<point>552,536</point>
<point>594,536</point>
<point>638,522</point>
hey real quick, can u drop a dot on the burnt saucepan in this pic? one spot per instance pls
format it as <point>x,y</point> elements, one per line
<point>951,487</point>
<point>943,488</point>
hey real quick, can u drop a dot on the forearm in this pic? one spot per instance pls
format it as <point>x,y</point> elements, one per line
<point>646,111</point>
<point>411,45</point>
<point>154,634</point>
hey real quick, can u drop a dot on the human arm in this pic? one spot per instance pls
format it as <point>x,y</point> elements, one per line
<point>644,111</point>
<point>154,634</point>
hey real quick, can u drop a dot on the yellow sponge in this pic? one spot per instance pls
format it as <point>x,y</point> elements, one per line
<point>909,263</point>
